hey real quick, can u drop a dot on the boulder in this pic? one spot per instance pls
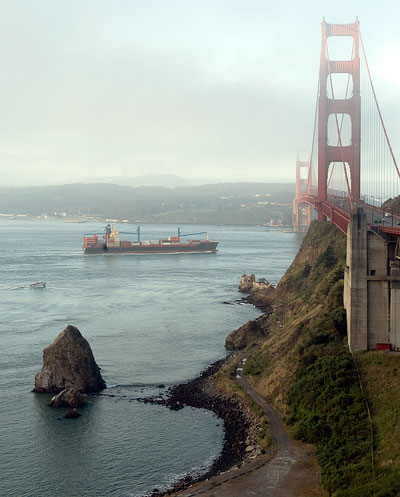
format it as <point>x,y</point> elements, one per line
<point>69,362</point>
<point>69,397</point>
<point>246,283</point>
<point>260,292</point>
<point>72,414</point>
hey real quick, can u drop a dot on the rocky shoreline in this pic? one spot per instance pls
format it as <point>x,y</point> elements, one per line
<point>239,423</point>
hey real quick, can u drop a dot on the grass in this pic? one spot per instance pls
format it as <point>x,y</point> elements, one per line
<point>326,404</point>
<point>257,409</point>
<point>264,437</point>
<point>306,369</point>
<point>380,373</point>
<point>328,409</point>
<point>381,377</point>
<point>225,380</point>
<point>255,364</point>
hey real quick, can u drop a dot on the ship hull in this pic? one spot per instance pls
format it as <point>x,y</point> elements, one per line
<point>192,248</point>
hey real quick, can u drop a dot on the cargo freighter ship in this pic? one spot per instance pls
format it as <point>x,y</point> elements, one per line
<point>110,243</point>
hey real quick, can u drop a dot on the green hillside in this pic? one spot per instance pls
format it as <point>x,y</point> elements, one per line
<point>304,367</point>
<point>225,203</point>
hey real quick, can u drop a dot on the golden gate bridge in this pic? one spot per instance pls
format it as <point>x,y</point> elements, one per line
<point>351,163</point>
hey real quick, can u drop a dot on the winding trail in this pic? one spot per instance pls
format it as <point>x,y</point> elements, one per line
<point>290,472</point>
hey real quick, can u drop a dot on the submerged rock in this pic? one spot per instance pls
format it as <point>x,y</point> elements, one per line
<point>69,362</point>
<point>72,414</point>
<point>69,397</point>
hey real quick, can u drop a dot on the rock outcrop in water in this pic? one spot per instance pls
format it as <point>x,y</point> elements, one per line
<point>69,397</point>
<point>69,362</point>
<point>246,283</point>
<point>72,414</point>
<point>260,292</point>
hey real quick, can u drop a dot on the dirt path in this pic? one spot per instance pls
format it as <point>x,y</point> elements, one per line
<point>290,472</point>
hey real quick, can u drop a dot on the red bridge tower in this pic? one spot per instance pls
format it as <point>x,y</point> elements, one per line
<point>301,209</point>
<point>327,153</point>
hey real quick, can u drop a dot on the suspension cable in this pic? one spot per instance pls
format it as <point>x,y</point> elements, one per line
<point>313,139</point>
<point>377,106</point>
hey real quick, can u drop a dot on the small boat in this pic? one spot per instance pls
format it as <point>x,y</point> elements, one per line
<point>37,284</point>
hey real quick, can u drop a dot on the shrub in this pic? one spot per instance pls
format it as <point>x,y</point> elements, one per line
<point>327,408</point>
<point>255,365</point>
<point>327,258</point>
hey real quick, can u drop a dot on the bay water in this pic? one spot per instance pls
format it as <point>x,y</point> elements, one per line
<point>152,321</point>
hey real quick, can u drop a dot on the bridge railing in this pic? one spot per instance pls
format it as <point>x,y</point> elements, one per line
<point>337,209</point>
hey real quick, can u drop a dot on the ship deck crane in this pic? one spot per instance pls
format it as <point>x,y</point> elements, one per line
<point>192,234</point>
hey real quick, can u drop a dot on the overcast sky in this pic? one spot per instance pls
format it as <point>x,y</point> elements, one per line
<point>219,89</point>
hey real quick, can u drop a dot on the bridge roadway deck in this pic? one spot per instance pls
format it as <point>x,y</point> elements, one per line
<point>337,209</point>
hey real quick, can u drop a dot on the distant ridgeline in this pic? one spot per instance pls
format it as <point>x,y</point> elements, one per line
<point>223,203</point>
<point>305,367</point>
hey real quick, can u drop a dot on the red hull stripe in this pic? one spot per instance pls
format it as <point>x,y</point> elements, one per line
<point>154,249</point>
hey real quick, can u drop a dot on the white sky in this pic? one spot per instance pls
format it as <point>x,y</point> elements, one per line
<point>199,88</point>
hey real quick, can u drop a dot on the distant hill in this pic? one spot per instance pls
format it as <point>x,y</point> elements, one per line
<point>163,180</point>
<point>224,203</point>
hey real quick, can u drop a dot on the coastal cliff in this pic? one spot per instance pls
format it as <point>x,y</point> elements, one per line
<point>251,333</point>
<point>298,359</point>
<point>260,294</point>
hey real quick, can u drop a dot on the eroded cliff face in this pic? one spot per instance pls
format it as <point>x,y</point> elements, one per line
<point>304,367</point>
<point>69,362</point>
<point>251,333</point>
<point>310,290</point>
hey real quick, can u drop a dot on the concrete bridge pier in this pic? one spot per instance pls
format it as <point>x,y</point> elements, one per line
<point>371,287</point>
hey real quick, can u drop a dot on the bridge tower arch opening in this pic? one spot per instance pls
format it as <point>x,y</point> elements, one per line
<point>337,185</point>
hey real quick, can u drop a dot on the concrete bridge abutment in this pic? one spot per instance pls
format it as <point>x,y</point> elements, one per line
<point>371,287</point>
